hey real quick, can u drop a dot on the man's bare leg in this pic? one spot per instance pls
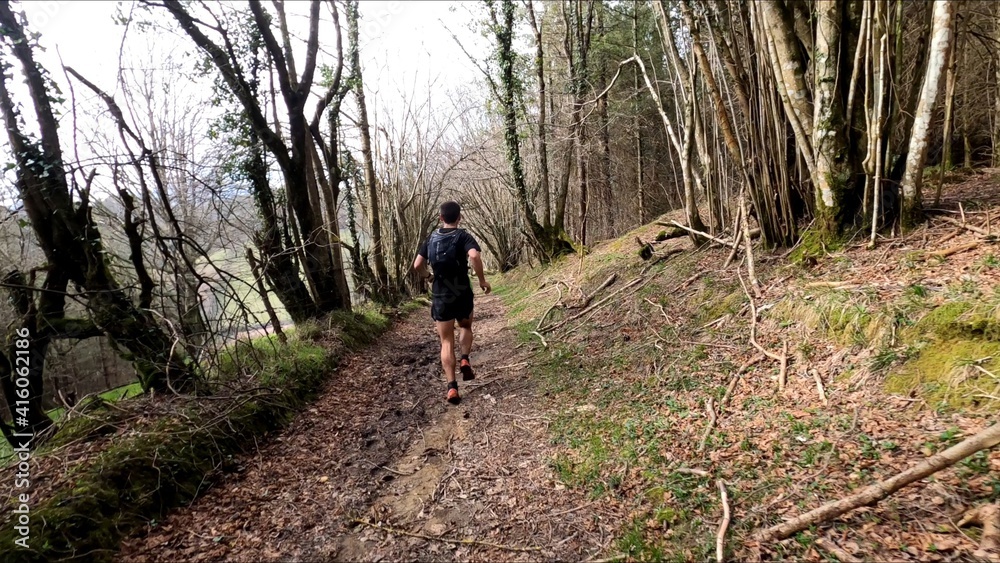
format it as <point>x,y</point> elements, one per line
<point>465,336</point>
<point>446,330</point>
<point>465,344</point>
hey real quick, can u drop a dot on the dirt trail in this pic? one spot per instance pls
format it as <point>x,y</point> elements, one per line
<point>381,446</point>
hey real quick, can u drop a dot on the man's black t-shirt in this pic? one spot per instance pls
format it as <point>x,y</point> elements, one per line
<point>453,283</point>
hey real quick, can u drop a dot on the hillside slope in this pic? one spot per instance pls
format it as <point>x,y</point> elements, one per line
<point>891,355</point>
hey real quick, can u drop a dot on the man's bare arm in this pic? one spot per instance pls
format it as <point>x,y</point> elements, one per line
<point>419,266</point>
<point>477,267</point>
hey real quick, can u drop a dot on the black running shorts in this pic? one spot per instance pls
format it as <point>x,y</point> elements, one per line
<point>452,307</point>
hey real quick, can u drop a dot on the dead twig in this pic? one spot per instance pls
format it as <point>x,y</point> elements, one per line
<point>783,372</point>
<point>686,282</point>
<point>590,297</point>
<point>389,469</point>
<point>963,225</point>
<point>655,304</point>
<point>837,551</point>
<point>819,387</point>
<point>950,236</point>
<point>783,359</point>
<point>710,409</point>
<point>736,378</point>
<point>701,234</point>
<point>720,538</point>
<point>554,305</point>
<point>831,285</point>
<point>565,512</point>
<point>399,532</point>
<point>540,337</point>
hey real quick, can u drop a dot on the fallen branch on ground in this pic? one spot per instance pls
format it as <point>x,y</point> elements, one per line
<point>672,233</point>
<point>399,532</point>
<point>989,516</point>
<point>954,250</point>
<point>687,282</point>
<point>831,285</point>
<point>692,471</point>
<point>963,225</point>
<point>720,538</point>
<point>590,308</point>
<point>783,372</point>
<point>702,234</point>
<point>554,305</point>
<point>950,236</point>
<point>873,493</point>
<point>782,359</point>
<point>590,297</point>
<point>655,304</point>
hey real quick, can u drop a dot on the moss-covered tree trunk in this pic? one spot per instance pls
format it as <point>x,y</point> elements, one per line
<point>552,241</point>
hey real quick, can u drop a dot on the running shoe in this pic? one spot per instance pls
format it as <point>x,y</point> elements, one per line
<point>466,369</point>
<point>453,396</point>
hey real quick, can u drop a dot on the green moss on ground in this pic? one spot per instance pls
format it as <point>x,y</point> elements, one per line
<point>813,246</point>
<point>143,473</point>
<point>955,356</point>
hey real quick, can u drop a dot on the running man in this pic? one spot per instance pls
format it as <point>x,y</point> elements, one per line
<point>449,251</point>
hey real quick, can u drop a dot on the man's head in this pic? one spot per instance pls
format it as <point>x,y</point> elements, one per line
<point>451,212</point>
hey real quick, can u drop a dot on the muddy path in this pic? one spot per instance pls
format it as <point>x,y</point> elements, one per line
<point>380,467</point>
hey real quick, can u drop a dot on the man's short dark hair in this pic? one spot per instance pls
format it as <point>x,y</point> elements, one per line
<point>450,211</point>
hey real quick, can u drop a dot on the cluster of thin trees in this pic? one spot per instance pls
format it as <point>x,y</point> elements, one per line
<point>593,116</point>
<point>780,112</point>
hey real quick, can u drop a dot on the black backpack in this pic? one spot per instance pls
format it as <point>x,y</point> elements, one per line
<point>443,251</point>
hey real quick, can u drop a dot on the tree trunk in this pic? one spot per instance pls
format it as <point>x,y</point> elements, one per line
<point>375,216</point>
<point>941,43</point>
<point>996,93</point>
<point>833,174</point>
<point>946,131</point>
<point>636,124</point>
<point>543,147</point>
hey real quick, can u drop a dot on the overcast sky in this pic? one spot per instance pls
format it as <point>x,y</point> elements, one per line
<point>399,39</point>
<point>405,45</point>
